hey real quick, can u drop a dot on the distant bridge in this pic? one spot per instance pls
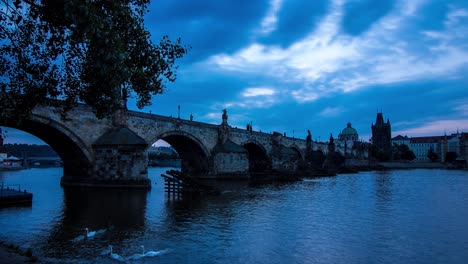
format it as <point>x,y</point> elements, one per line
<point>97,152</point>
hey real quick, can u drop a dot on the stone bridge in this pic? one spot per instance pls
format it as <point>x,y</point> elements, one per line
<point>98,152</point>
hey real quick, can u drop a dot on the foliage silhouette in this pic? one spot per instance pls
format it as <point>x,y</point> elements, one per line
<point>68,52</point>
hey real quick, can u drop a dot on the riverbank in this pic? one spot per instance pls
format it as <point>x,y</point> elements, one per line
<point>366,165</point>
<point>414,165</point>
<point>10,253</point>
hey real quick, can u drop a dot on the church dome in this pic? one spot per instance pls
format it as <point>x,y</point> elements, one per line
<point>348,130</point>
<point>349,133</point>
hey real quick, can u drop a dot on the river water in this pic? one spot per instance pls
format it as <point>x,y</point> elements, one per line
<point>401,216</point>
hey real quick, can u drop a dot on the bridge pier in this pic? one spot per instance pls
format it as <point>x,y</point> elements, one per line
<point>120,160</point>
<point>229,161</point>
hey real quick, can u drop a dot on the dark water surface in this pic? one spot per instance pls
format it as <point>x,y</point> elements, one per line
<point>406,216</point>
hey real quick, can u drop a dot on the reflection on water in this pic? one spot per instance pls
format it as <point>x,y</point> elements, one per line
<point>414,216</point>
<point>103,208</point>
<point>383,187</point>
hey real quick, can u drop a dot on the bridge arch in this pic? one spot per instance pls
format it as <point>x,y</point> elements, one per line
<point>298,152</point>
<point>191,150</point>
<point>258,158</point>
<point>76,156</point>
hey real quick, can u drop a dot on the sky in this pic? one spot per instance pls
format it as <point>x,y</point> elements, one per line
<point>293,65</point>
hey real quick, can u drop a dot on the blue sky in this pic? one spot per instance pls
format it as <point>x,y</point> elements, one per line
<point>293,65</point>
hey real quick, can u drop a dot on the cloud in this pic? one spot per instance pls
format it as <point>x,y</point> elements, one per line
<point>404,123</point>
<point>304,96</point>
<point>294,21</point>
<point>455,16</point>
<point>462,107</point>
<point>258,91</point>
<point>269,22</point>
<point>209,27</point>
<point>435,128</point>
<point>326,61</point>
<point>354,22</point>
<point>263,102</point>
<point>331,111</point>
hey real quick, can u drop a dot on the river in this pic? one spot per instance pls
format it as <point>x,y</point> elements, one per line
<point>399,216</point>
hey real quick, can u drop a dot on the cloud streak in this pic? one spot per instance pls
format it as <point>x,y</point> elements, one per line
<point>269,22</point>
<point>435,128</point>
<point>258,91</point>
<point>327,61</point>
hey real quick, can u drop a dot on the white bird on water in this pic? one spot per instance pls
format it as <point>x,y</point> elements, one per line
<point>150,253</point>
<point>115,256</point>
<point>137,256</point>
<point>144,254</point>
<point>89,234</point>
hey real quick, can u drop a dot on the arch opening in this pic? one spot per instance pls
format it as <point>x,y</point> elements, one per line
<point>298,153</point>
<point>162,154</point>
<point>193,158</point>
<point>258,160</point>
<point>76,160</point>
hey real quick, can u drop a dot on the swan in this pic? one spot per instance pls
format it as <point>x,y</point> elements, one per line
<point>145,254</point>
<point>150,253</point>
<point>138,256</point>
<point>89,234</point>
<point>115,256</point>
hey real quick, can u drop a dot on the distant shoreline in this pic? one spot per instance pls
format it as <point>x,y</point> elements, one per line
<point>416,165</point>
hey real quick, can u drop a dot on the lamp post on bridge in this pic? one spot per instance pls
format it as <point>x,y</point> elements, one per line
<point>178,114</point>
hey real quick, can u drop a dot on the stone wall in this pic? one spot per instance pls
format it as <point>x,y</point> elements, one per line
<point>230,165</point>
<point>120,163</point>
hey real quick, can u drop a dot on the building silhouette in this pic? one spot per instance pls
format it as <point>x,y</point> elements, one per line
<point>349,135</point>
<point>440,145</point>
<point>381,138</point>
<point>347,138</point>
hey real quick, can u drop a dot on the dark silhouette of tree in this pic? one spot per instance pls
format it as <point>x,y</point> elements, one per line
<point>379,154</point>
<point>432,156</point>
<point>94,52</point>
<point>163,155</point>
<point>402,152</point>
<point>21,150</point>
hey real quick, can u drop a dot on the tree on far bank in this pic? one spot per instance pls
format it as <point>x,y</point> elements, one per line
<point>93,52</point>
<point>432,156</point>
<point>379,154</point>
<point>402,152</point>
<point>26,150</point>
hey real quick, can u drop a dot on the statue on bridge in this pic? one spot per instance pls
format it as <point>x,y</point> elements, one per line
<point>225,117</point>
<point>120,116</point>
<point>308,151</point>
<point>331,144</point>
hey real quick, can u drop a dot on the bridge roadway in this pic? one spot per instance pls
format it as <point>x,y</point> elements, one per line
<point>97,152</point>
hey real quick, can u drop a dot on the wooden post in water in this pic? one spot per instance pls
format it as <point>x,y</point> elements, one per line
<point>172,187</point>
